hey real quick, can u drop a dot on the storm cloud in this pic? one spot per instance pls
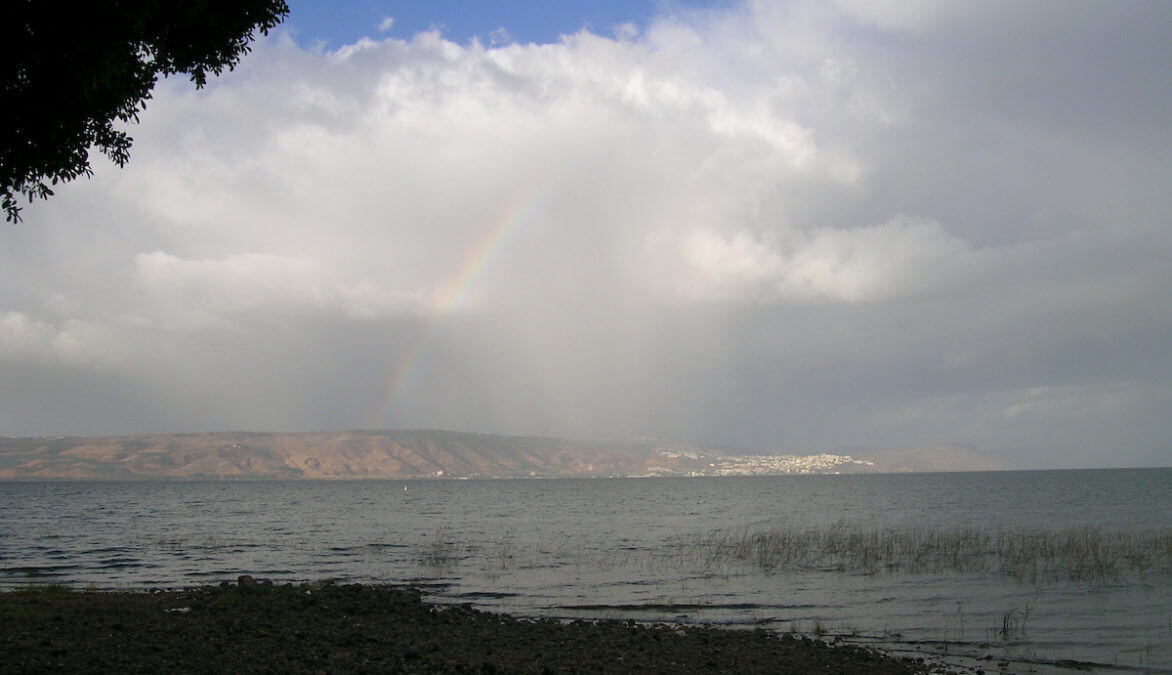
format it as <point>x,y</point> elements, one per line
<point>792,227</point>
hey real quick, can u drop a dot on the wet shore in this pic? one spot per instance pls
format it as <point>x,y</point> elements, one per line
<point>253,627</point>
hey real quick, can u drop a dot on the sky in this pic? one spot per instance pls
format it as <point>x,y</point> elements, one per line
<point>331,25</point>
<point>793,226</point>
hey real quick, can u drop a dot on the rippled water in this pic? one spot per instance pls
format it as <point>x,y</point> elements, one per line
<point>626,548</point>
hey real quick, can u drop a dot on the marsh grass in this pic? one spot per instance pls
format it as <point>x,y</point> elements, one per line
<point>1077,554</point>
<point>1013,623</point>
<point>45,590</point>
<point>1084,554</point>
<point>443,552</point>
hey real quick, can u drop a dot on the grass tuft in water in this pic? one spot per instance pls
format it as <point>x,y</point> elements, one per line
<point>442,553</point>
<point>46,590</point>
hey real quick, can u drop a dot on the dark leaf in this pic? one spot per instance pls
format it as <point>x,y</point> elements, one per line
<point>66,76</point>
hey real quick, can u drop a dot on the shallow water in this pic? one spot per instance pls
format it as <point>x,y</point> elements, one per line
<point>626,548</point>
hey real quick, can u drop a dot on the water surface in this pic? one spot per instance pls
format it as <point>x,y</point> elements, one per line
<point>625,548</point>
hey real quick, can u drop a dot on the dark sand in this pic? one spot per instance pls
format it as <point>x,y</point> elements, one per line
<point>372,629</point>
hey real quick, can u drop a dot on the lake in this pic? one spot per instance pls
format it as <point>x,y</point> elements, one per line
<point>1029,568</point>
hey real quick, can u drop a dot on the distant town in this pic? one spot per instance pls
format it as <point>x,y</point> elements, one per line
<point>766,465</point>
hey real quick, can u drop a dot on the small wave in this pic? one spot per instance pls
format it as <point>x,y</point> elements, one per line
<point>42,549</point>
<point>489,595</point>
<point>428,583</point>
<point>668,607</point>
<point>106,550</point>
<point>115,564</point>
<point>551,565</point>
<point>38,571</point>
<point>331,555</point>
<point>213,574</point>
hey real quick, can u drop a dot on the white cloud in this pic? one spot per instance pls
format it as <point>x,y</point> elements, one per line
<point>386,24</point>
<point>499,36</point>
<point>902,258</point>
<point>261,283</point>
<point>626,31</point>
<point>718,267</point>
<point>24,339</point>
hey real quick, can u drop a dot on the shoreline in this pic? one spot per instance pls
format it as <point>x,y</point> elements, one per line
<point>254,627</point>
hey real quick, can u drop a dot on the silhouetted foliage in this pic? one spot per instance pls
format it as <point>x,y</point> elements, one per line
<point>68,71</point>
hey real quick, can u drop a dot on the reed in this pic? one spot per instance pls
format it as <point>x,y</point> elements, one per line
<point>1013,623</point>
<point>1076,554</point>
<point>1082,554</point>
<point>443,552</point>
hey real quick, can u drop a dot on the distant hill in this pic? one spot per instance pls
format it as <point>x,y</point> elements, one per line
<point>936,458</point>
<point>419,454</point>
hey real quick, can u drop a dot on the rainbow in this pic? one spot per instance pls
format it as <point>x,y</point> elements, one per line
<point>450,294</point>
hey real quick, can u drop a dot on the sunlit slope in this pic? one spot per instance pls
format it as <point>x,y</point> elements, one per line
<point>422,454</point>
<point>348,454</point>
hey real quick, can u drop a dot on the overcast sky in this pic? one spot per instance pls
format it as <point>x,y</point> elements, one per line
<point>787,226</point>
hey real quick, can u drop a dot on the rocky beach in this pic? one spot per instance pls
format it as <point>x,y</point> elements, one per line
<point>253,626</point>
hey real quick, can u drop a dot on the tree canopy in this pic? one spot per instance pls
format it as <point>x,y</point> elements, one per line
<point>70,71</point>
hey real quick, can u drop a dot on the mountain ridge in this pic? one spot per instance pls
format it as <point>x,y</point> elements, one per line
<point>424,453</point>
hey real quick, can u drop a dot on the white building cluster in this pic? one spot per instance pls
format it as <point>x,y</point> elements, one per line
<point>762,465</point>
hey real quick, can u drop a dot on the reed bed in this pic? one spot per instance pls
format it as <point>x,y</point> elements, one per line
<point>1082,554</point>
<point>1075,554</point>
